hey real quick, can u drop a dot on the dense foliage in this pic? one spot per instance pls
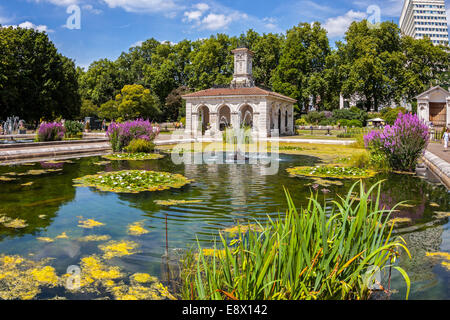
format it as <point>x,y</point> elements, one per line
<point>73,129</point>
<point>401,144</point>
<point>50,132</point>
<point>328,251</point>
<point>121,134</point>
<point>376,65</point>
<point>36,82</point>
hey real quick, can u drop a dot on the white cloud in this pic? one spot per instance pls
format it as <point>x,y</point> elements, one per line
<point>202,7</point>
<point>148,6</point>
<point>91,9</point>
<point>216,21</point>
<point>60,2</point>
<point>270,23</point>
<point>389,8</point>
<point>192,15</point>
<point>30,25</point>
<point>337,26</point>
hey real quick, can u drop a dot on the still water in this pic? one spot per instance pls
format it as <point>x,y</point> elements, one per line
<point>229,193</point>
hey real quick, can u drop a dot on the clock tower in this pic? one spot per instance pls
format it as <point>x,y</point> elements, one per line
<point>243,74</point>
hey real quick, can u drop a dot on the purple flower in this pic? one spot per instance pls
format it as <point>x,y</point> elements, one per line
<point>51,131</point>
<point>121,134</point>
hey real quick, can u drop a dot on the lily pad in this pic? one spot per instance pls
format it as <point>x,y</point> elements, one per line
<point>133,181</point>
<point>134,156</point>
<point>331,172</point>
<point>175,202</point>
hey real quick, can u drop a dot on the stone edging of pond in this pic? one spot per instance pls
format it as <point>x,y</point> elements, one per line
<point>438,166</point>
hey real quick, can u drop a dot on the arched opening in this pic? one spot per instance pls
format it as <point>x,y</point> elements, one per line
<point>224,118</point>
<point>286,121</point>
<point>246,116</point>
<point>203,116</point>
<point>279,121</point>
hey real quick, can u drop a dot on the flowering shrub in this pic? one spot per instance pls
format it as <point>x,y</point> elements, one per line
<point>51,131</point>
<point>121,134</point>
<point>401,144</point>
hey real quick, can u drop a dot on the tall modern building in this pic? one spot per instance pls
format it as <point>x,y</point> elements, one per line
<point>425,18</point>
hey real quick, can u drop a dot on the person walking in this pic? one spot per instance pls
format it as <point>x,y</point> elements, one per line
<point>446,138</point>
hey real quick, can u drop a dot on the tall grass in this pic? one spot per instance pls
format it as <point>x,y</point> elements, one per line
<point>312,253</point>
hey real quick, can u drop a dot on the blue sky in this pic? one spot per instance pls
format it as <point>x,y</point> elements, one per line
<point>109,27</point>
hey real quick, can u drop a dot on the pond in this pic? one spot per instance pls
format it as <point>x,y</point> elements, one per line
<point>43,195</point>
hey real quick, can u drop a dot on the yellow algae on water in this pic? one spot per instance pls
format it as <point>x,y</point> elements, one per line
<point>114,249</point>
<point>434,204</point>
<point>143,278</point>
<point>22,279</point>
<point>95,273</point>
<point>441,255</point>
<point>212,252</point>
<point>44,239</point>
<point>137,229</point>
<point>89,223</point>
<point>175,202</point>
<point>45,275</point>
<point>27,184</point>
<point>235,230</point>
<point>399,220</point>
<point>446,265</point>
<point>16,224</point>
<point>42,216</point>
<point>94,238</point>
<point>62,236</point>
<point>441,214</point>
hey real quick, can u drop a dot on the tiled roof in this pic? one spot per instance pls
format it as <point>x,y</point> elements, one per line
<point>246,91</point>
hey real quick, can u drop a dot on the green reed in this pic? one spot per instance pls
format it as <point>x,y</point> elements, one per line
<point>312,253</point>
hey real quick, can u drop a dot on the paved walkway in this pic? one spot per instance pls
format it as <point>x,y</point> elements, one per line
<point>438,160</point>
<point>438,150</point>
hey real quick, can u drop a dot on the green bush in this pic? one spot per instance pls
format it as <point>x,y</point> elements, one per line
<point>301,122</point>
<point>314,117</point>
<point>140,146</point>
<point>391,114</point>
<point>73,129</point>
<point>343,122</point>
<point>355,123</point>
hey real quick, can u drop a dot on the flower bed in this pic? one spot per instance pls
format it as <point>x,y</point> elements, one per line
<point>134,156</point>
<point>132,181</point>
<point>401,144</point>
<point>332,172</point>
<point>121,134</point>
<point>51,132</point>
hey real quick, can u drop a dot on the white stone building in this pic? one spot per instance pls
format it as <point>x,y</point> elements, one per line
<point>211,111</point>
<point>425,18</point>
<point>433,107</point>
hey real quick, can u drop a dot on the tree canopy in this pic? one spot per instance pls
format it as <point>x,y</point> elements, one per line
<point>35,80</point>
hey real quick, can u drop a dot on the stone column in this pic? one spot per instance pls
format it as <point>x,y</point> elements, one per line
<point>448,111</point>
<point>283,121</point>
<point>291,126</point>
<point>195,124</point>
<point>188,129</point>
<point>235,120</point>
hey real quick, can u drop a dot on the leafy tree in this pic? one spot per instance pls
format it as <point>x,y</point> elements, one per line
<point>175,105</point>
<point>101,82</point>
<point>302,64</point>
<point>211,62</point>
<point>135,101</point>
<point>88,109</point>
<point>35,80</point>
<point>267,53</point>
<point>109,111</point>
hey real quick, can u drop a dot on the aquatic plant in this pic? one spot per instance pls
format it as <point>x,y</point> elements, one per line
<point>331,172</point>
<point>175,202</point>
<point>94,237</point>
<point>328,251</point>
<point>89,223</point>
<point>401,144</point>
<point>133,181</point>
<point>23,279</point>
<point>13,223</point>
<point>53,131</point>
<point>121,134</point>
<point>140,146</point>
<point>114,249</point>
<point>134,156</point>
<point>137,229</point>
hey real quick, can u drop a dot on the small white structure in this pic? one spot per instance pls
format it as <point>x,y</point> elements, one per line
<point>211,111</point>
<point>433,107</point>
